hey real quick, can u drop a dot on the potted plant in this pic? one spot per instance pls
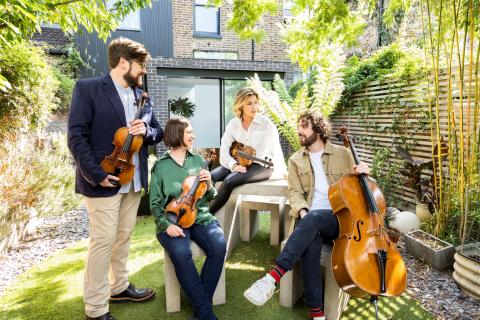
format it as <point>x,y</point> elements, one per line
<point>390,216</point>
<point>467,268</point>
<point>182,106</point>
<point>418,181</point>
<point>432,250</point>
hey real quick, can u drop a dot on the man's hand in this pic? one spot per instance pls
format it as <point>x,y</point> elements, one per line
<point>361,168</point>
<point>137,128</point>
<point>302,213</point>
<point>175,231</point>
<point>107,184</point>
<point>239,168</point>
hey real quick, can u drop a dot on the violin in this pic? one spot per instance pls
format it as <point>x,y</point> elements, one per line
<point>245,155</point>
<point>120,162</point>
<point>182,211</point>
<point>365,262</point>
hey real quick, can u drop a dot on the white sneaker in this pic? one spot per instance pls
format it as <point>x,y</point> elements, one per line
<point>261,290</point>
<point>319,318</point>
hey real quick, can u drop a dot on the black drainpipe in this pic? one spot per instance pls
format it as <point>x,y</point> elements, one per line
<point>253,50</point>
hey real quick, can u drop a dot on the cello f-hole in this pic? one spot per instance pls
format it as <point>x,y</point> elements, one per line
<point>355,238</point>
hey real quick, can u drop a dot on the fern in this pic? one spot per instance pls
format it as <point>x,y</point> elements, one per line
<point>328,86</point>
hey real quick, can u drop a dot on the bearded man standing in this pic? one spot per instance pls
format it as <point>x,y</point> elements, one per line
<point>99,107</point>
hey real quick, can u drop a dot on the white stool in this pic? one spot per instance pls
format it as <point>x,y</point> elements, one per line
<point>291,287</point>
<point>172,287</point>
<point>249,207</point>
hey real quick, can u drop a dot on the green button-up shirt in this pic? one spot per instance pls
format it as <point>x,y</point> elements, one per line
<point>166,184</point>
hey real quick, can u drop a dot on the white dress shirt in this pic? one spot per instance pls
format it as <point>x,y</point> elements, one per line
<point>262,135</point>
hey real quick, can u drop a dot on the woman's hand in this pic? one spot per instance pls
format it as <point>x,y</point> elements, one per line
<point>362,167</point>
<point>175,231</point>
<point>239,168</point>
<point>204,175</point>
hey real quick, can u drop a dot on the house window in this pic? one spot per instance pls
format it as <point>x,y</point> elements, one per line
<point>287,10</point>
<point>205,95</point>
<point>207,19</point>
<point>222,55</point>
<point>130,22</point>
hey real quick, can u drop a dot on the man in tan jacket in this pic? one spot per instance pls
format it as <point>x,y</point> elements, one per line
<point>310,172</point>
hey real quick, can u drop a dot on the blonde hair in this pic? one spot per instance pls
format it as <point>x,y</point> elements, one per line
<point>240,97</point>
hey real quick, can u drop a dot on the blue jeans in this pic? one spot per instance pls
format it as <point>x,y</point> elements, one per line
<point>198,288</point>
<point>305,244</point>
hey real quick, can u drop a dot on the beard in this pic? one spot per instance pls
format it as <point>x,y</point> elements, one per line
<point>308,141</point>
<point>131,80</point>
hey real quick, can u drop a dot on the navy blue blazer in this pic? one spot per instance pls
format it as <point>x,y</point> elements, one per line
<point>95,115</point>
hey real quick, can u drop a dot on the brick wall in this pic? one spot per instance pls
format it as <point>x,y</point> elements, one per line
<point>184,42</point>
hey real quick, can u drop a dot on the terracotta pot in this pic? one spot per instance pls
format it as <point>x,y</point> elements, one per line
<point>467,269</point>
<point>422,211</point>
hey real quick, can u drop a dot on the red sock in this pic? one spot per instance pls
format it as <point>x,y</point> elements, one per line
<point>277,273</point>
<point>316,312</point>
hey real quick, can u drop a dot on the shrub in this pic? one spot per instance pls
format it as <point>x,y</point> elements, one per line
<point>32,97</point>
<point>65,90</point>
<point>36,172</point>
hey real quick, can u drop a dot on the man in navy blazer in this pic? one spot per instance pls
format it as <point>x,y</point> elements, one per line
<point>99,107</point>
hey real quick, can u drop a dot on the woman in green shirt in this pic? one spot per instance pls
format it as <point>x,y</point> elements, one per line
<point>168,174</point>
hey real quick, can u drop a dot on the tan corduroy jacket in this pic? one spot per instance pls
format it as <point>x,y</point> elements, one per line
<point>337,161</point>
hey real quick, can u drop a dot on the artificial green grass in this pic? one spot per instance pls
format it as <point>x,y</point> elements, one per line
<point>53,289</point>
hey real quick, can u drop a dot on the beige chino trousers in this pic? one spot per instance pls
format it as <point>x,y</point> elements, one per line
<point>112,220</point>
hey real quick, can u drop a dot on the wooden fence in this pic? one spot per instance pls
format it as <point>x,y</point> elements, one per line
<point>395,112</point>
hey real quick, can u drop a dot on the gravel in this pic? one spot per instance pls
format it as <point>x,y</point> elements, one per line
<point>436,290</point>
<point>53,234</point>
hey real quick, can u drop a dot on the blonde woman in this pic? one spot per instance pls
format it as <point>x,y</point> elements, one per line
<point>254,130</point>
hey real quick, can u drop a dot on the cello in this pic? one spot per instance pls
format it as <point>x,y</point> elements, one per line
<point>365,262</point>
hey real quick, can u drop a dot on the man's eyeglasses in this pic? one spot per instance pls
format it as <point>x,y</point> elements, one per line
<point>143,64</point>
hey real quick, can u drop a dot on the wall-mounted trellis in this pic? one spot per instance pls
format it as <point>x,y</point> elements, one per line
<point>397,112</point>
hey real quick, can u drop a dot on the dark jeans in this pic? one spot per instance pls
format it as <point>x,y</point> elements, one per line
<point>231,180</point>
<point>199,289</point>
<point>305,243</point>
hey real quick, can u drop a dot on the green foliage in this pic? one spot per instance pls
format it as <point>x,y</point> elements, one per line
<point>315,25</point>
<point>36,173</point>
<point>328,85</point>
<point>246,16</point>
<point>390,60</point>
<point>385,172</point>
<point>64,91</point>
<point>29,105</point>
<point>66,70</point>
<point>182,106</point>
<point>19,19</point>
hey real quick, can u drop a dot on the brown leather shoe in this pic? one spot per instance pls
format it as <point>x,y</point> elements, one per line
<point>106,316</point>
<point>133,294</point>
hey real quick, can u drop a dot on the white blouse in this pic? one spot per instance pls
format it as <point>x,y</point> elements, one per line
<point>262,135</point>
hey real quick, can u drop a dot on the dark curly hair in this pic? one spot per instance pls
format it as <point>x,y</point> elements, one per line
<point>319,125</point>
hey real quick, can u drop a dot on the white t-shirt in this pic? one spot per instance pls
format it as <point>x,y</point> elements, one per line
<point>320,197</point>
